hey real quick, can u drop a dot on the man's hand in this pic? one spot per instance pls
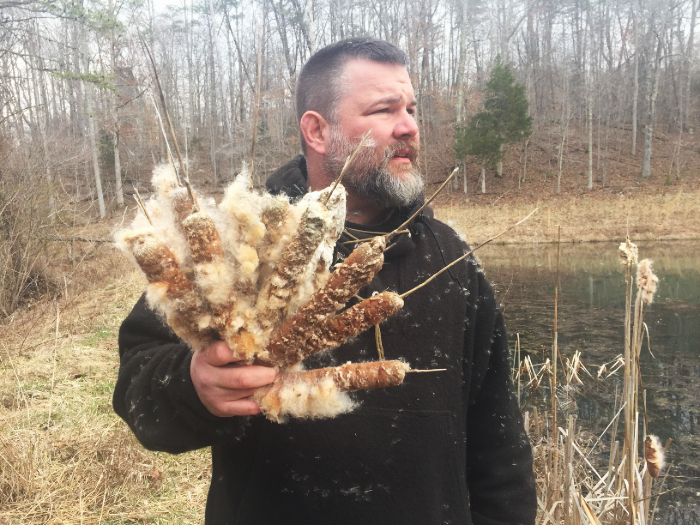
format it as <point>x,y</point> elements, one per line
<point>223,385</point>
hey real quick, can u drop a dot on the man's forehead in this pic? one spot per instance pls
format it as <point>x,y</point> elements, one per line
<point>378,79</point>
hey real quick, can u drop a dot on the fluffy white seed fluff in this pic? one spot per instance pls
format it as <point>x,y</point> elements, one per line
<point>654,455</point>
<point>334,219</point>
<point>307,400</point>
<point>164,179</point>
<point>215,279</point>
<point>646,280</point>
<point>628,253</point>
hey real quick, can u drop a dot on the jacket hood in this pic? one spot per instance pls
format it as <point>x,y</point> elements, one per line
<point>291,180</point>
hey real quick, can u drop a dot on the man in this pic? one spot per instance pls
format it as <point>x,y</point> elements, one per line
<point>441,448</point>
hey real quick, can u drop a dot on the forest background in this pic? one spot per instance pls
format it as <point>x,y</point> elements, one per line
<point>614,95</point>
<point>607,81</point>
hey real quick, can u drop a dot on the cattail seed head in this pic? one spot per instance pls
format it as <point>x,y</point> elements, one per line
<point>654,455</point>
<point>646,280</point>
<point>628,253</point>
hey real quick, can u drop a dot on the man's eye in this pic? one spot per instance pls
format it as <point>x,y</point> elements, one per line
<point>383,110</point>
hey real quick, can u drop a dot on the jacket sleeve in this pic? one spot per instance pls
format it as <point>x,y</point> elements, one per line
<point>499,455</point>
<point>154,393</point>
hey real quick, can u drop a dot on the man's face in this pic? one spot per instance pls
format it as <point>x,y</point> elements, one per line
<point>379,97</point>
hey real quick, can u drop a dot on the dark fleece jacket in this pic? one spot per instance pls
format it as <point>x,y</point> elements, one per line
<point>442,448</point>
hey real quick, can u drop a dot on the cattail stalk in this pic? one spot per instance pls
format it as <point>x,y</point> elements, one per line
<point>352,274</point>
<point>555,343</point>
<point>628,258</point>
<point>276,292</point>
<point>337,330</point>
<point>315,393</point>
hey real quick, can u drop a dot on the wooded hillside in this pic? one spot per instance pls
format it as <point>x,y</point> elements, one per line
<point>77,82</point>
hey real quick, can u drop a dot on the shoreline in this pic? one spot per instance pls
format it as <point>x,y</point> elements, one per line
<point>517,242</point>
<point>593,218</point>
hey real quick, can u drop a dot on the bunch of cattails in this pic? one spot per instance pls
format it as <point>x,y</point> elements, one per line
<point>253,272</point>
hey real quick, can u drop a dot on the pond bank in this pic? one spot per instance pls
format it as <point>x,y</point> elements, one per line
<point>589,217</point>
<point>590,320</point>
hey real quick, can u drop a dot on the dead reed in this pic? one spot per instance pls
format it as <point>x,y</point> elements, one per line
<point>574,485</point>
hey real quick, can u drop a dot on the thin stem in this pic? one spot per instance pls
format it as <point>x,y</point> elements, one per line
<point>257,104</point>
<point>53,372</point>
<point>183,166</point>
<point>426,371</point>
<point>555,344</point>
<point>165,108</point>
<point>139,201</point>
<point>348,161</point>
<point>466,255</point>
<point>397,230</point>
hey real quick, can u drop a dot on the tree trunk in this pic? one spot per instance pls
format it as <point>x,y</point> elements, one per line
<point>118,172</point>
<point>213,113</point>
<point>464,177</point>
<point>77,117</point>
<point>522,179</point>
<point>649,131</point>
<point>462,58</point>
<point>635,90</point>
<point>119,193</point>
<point>43,126</point>
<point>689,55</point>
<point>590,136</point>
<point>483,180</point>
<point>565,132</point>
<point>499,166</point>
<point>89,92</point>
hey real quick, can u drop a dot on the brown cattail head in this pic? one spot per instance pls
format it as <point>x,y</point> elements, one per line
<point>646,280</point>
<point>181,205</point>
<point>205,243</point>
<point>156,260</point>
<point>654,455</point>
<point>628,253</point>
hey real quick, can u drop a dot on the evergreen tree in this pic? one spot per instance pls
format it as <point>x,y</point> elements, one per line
<point>503,120</point>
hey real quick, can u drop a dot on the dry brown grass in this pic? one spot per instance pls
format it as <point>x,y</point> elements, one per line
<point>597,216</point>
<point>65,457</point>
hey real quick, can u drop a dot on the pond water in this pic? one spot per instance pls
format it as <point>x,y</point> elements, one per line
<point>590,320</point>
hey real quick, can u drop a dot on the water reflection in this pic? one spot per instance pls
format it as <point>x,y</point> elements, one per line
<point>591,315</point>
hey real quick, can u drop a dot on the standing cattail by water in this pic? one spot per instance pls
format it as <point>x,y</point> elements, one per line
<point>654,455</point>
<point>646,280</point>
<point>628,253</point>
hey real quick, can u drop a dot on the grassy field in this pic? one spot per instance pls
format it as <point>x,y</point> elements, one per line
<point>67,458</point>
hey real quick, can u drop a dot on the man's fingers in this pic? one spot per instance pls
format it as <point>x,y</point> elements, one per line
<point>245,377</point>
<point>228,395</point>
<point>224,388</point>
<point>217,354</point>
<point>242,407</point>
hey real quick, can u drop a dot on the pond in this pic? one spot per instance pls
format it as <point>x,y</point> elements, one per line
<point>590,320</point>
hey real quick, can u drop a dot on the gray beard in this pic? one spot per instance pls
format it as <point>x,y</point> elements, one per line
<point>369,179</point>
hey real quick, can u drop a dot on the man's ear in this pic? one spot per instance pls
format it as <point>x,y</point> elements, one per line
<point>316,131</point>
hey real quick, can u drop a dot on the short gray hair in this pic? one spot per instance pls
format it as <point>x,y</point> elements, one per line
<point>320,81</point>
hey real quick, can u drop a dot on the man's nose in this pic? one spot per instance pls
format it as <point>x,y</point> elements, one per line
<point>406,127</point>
